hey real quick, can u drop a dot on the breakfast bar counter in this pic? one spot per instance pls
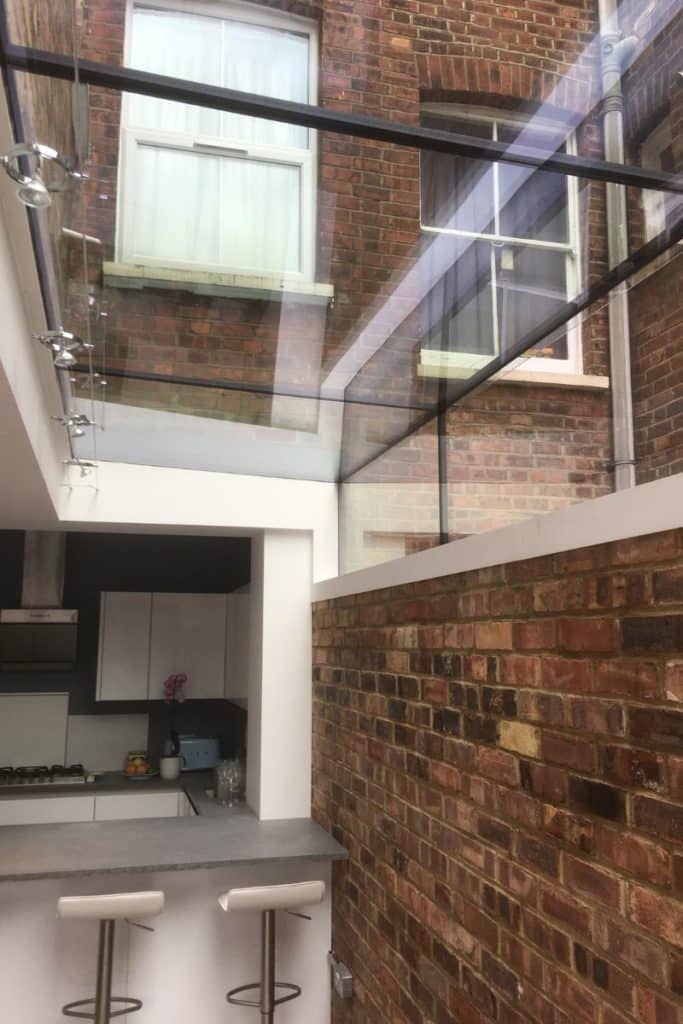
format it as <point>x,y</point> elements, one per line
<point>215,837</point>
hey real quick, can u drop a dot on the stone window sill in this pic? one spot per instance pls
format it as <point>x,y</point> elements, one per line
<point>462,369</point>
<point>137,276</point>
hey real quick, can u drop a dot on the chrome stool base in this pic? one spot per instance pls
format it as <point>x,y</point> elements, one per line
<point>294,991</point>
<point>266,1001</point>
<point>71,1009</point>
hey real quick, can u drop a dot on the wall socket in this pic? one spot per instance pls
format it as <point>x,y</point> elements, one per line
<point>342,979</point>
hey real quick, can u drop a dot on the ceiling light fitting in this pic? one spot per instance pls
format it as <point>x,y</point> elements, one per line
<point>32,190</point>
<point>63,344</point>
<point>75,423</point>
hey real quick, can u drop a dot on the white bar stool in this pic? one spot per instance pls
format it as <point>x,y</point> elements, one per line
<point>267,899</point>
<point>107,910</point>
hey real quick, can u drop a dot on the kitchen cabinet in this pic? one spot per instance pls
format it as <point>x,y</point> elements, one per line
<point>121,806</point>
<point>123,663</point>
<point>237,646</point>
<point>48,810</point>
<point>188,635</point>
<point>144,638</point>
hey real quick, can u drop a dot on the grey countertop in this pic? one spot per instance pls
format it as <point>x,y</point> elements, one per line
<point>216,837</point>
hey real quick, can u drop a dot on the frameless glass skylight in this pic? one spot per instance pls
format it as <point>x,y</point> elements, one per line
<point>294,295</point>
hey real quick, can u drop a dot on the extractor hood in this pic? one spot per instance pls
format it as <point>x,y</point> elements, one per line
<point>41,635</point>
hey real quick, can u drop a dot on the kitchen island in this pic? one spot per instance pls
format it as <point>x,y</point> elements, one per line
<point>197,952</point>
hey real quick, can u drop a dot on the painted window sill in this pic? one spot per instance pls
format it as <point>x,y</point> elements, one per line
<point>461,369</point>
<point>137,276</point>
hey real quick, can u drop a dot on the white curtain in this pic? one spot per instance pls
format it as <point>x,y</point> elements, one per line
<point>182,47</point>
<point>206,209</point>
<point>270,63</point>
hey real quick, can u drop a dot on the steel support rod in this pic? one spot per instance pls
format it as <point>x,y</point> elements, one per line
<point>105,960</point>
<point>56,65</point>
<point>268,966</point>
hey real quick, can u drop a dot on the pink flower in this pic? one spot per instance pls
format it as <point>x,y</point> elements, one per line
<point>173,688</point>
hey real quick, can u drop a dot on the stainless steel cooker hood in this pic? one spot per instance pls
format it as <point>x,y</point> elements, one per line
<point>41,635</point>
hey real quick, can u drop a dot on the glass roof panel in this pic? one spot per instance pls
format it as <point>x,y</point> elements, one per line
<point>393,64</point>
<point>238,274</point>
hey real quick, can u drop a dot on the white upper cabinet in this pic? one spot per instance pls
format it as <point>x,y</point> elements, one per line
<point>188,635</point>
<point>144,638</point>
<point>237,646</point>
<point>123,664</point>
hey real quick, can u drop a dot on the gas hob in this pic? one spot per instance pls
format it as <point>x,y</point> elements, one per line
<point>41,775</point>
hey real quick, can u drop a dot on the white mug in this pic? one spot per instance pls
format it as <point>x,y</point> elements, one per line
<point>170,767</point>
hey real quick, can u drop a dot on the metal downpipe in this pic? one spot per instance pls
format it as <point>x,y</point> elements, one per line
<point>613,51</point>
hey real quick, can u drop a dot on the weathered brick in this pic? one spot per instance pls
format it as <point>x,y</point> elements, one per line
<point>597,798</point>
<point>520,737</point>
<point>664,728</point>
<point>539,854</point>
<point>629,767</point>
<point>569,751</point>
<point>592,881</point>
<point>655,1009</point>
<point>596,716</point>
<point>667,586</point>
<point>657,914</point>
<point>653,633</point>
<point>581,1003</point>
<point>634,855</point>
<point>654,547</point>
<point>544,781</point>
<point>569,828</point>
<point>536,634</point>
<point>583,635</point>
<point>447,721</point>
<point>659,816</point>
<point>627,678</point>
<point>565,674</point>
<point>559,595</point>
<point>558,904</point>
<point>673,680</point>
<point>498,765</point>
<point>494,635</point>
<point>622,943</point>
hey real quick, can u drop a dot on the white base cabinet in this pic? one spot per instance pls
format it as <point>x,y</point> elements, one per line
<point>122,806</point>
<point>53,810</point>
<point>47,810</point>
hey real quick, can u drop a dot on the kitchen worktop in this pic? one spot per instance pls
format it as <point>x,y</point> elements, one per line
<point>217,836</point>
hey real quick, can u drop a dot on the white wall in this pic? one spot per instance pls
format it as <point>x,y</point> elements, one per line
<point>279,722</point>
<point>121,496</point>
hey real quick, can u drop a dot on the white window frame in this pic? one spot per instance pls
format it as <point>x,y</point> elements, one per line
<point>466,363</point>
<point>132,136</point>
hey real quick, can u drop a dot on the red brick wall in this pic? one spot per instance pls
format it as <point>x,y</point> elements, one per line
<point>500,752</point>
<point>657,361</point>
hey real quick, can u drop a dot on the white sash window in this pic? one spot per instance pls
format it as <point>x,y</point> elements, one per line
<point>515,244</point>
<point>207,190</point>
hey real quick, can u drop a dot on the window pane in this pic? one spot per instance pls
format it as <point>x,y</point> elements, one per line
<point>174,205</point>
<point>181,46</point>
<point>457,192</point>
<point>459,309</point>
<point>533,204</point>
<point>262,233</point>
<point>531,286</point>
<point>268,62</point>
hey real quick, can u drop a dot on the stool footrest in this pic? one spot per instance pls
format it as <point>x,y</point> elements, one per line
<point>73,1009</point>
<point>294,992</point>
